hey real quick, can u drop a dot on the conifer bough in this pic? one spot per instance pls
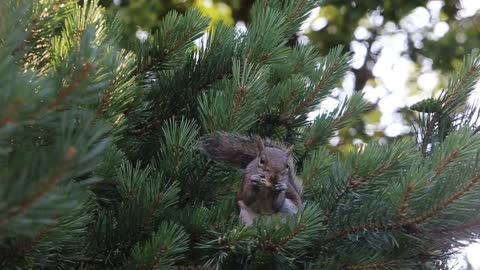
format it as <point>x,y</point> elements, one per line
<point>99,167</point>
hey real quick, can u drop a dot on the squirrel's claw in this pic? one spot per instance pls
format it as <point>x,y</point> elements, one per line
<point>258,180</point>
<point>280,187</point>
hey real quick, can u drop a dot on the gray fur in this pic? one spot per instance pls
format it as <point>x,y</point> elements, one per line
<point>238,151</point>
<point>248,153</point>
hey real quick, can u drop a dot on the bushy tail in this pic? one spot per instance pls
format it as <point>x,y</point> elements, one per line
<point>231,149</point>
<point>298,185</point>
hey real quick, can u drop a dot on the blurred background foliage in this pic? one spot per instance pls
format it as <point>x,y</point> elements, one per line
<point>432,35</point>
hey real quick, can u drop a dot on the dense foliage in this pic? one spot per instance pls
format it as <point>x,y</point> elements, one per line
<point>99,167</point>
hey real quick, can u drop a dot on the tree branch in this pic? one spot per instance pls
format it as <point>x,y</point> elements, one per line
<point>67,91</point>
<point>445,104</point>
<point>51,182</point>
<point>354,181</point>
<point>37,239</point>
<point>455,196</point>
<point>163,55</point>
<point>11,113</point>
<point>295,12</point>
<point>312,95</point>
<point>134,236</point>
<point>443,164</point>
<point>298,229</point>
<point>363,228</point>
<point>373,266</point>
<point>402,213</point>
<point>410,224</point>
<point>460,228</point>
<point>157,259</point>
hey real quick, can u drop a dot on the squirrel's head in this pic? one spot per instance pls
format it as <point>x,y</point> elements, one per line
<point>274,162</point>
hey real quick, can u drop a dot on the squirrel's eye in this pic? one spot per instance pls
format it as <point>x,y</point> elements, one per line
<point>287,166</point>
<point>262,160</point>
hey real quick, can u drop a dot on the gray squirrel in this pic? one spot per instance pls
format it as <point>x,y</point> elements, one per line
<point>269,185</point>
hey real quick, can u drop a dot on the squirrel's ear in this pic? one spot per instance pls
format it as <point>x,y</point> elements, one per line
<point>290,150</point>
<point>260,145</point>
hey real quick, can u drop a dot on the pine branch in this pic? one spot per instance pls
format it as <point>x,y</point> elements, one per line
<point>51,182</point>
<point>372,266</point>
<point>443,164</point>
<point>355,181</point>
<point>336,66</point>
<point>301,63</point>
<point>170,42</point>
<point>285,240</point>
<point>216,54</point>
<point>176,147</point>
<point>409,224</point>
<point>143,194</point>
<point>232,240</point>
<point>414,262</point>
<point>107,97</point>
<point>456,230</point>
<point>462,84</point>
<point>87,260</point>
<point>239,97</point>
<point>37,20</point>
<point>445,203</point>
<point>315,166</point>
<point>402,213</point>
<point>194,267</point>
<point>67,91</point>
<point>429,131</point>
<point>136,234</point>
<point>201,179</point>
<point>346,114</point>
<point>258,48</point>
<point>120,93</point>
<point>160,58</point>
<point>157,259</point>
<point>363,228</point>
<point>466,143</point>
<point>294,13</point>
<point>162,250</point>
<point>235,103</point>
<point>11,112</point>
<point>28,247</point>
<point>21,250</point>
<point>268,244</point>
<point>454,95</point>
<point>153,125</point>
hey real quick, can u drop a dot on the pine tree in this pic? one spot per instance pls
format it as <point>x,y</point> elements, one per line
<point>100,170</point>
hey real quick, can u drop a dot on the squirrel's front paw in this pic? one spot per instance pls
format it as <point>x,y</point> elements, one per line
<point>280,187</point>
<point>258,180</point>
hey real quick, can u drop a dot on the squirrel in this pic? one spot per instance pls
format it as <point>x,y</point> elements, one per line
<point>269,185</point>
